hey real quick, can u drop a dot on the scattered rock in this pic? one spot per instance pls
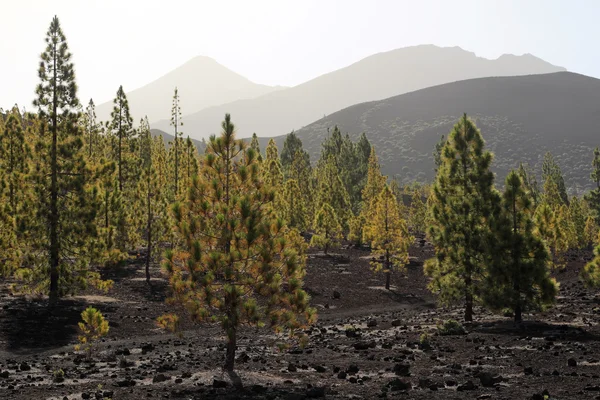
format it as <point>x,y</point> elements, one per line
<point>468,385</point>
<point>161,378</point>
<point>218,384</point>
<point>336,294</point>
<point>399,384</point>
<point>571,362</point>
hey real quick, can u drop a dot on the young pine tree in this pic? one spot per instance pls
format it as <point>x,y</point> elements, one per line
<point>417,212</point>
<point>121,127</point>
<point>152,186</point>
<point>328,231</point>
<point>92,130</point>
<point>238,264</point>
<point>14,164</point>
<point>593,196</point>
<point>331,190</point>
<point>551,172</point>
<point>176,123</point>
<point>463,200</point>
<point>293,209</point>
<point>256,147</point>
<point>548,228</point>
<point>590,274</point>
<point>388,234</point>
<point>590,231</point>
<point>67,206</point>
<point>518,276</point>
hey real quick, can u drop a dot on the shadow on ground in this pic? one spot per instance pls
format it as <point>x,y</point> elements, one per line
<point>32,325</point>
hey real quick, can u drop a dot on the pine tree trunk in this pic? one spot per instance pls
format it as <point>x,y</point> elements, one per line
<point>231,347</point>
<point>54,216</point>
<point>468,300</point>
<point>120,142</point>
<point>149,228</point>
<point>387,280</point>
<point>518,317</point>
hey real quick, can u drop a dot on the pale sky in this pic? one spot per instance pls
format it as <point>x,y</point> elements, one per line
<point>278,42</point>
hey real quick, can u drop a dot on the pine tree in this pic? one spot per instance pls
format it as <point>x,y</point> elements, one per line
<point>65,203</point>
<point>463,200</point>
<point>590,231</point>
<point>328,231</point>
<point>577,220</point>
<point>293,208</point>
<point>301,171</point>
<point>176,123</point>
<point>375,182</point>
<point>273,174</point>
<point>331,190</point>
<point>437,152</point>
<point>547,225</point>
<point>14,154</point>
<point>92,129</point>
<point>417,212</point>
<point>590,274</point>
<point>121,126</point>
<point>518,276</point>
<point>593,196</point>
<point>151,185</point>
<point>530,184</point>
<point>291,145</point>
<point>388,234</point>
<point>551,172</point>
<point>256,147</point>
<point>238,264</point>
<point>356,229</point>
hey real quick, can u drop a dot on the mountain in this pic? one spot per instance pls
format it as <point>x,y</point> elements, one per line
<point>202,82</point>
<point>373,78</point>
<point>520,118</point>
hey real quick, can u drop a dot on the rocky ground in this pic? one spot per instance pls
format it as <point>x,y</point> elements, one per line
<point>365,345</point>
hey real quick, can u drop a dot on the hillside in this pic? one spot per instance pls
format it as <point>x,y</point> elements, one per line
<point>520,117</point>
<point>373,78</point>
<point>202,83</point>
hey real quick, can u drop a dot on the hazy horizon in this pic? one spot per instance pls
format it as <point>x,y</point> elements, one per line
<point>133,43</point>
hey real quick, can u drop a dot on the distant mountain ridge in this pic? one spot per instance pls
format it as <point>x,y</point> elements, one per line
<point>520,118</point>
<point>373,78</point>
<point>202,82</point>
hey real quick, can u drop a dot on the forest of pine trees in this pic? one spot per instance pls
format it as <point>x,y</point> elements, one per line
<point>231,227</point>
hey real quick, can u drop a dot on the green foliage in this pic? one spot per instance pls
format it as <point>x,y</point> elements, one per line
<point>254,145</point>
<point>121,130</point>
<point>590,231</point>
<point>530,184</point>
<point>293,208</point>
<point>437,152</point>
<point>450,327</point>
<point>417,213</point>
<point>67,200</point>
<point>291,146</point>
<point>551,173</point>
<point>590,274</point>
<point>388,235</point>
<point>373,187</point>
<point>92,328</point>
<point>328,231</point>
<point>177,135</point>
<point>331,190</point>
<point>518,275</point>
<point>351,160</point>
<point>548,228</point>
<point>463,199</point>
<point>355,233</point>
<point>593,197</point>
<point>425,341</point>
<point>237,263</point>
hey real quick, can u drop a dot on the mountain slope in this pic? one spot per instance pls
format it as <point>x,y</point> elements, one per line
<point>520,118</point>
<point>376,77</point>
<point>202,82</point>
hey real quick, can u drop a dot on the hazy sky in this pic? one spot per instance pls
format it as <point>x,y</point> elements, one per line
<point>278,42</point>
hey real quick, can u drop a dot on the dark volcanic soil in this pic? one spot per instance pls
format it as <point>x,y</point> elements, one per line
<point>365,345</point>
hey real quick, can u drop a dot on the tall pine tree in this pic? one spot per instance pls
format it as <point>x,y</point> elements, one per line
<point>518,276</point>
<point>238,264</point>
<point>463,200</point>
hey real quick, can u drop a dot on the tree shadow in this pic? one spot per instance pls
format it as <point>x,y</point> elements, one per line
<point>536,329</point>
<point>31,325</point>
<point>410,299</point>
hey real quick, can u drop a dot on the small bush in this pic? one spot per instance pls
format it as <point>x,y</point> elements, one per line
<point>451,327</point>
<point>424,341</point>
<point>58,375</point>
<point>93,327</point>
